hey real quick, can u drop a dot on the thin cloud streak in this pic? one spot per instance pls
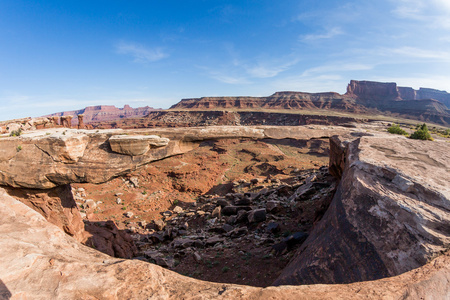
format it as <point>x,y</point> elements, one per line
<point>268,70</point>
<point>331,33</point>
<point>140,53</point>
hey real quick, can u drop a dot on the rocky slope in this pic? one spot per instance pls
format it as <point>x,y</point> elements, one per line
<point>102,113</point>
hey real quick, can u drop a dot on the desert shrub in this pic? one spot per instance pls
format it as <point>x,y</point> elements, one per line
<point>422,133</point>
<point>17,132</point>
<point>395,129</point>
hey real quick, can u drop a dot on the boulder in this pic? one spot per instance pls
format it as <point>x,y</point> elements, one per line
<point>135,145</point>
<point>257,215</point>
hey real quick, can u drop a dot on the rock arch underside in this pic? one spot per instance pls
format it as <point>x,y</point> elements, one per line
<point>383,234</point>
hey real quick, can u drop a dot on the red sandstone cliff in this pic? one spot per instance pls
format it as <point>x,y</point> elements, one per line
<point>279,100</point>
<point>361,97</point>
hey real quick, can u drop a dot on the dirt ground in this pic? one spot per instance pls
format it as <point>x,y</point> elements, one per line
<point>195,181</point>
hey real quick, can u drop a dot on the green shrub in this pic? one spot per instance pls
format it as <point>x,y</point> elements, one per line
<point>19,148</point>
<point>17,132</point>
<point>395,129</point>
<point>422,133</point>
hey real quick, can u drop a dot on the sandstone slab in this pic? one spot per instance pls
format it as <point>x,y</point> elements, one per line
<point>136,144</point>
<point>39,261</point>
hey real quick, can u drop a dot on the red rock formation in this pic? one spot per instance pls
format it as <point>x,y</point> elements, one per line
<point>103,113</point>
<point>66,121</point>
<point>373,90</point>
<point>279,100</point>
<point>56,205</point>
<point>80,121</point>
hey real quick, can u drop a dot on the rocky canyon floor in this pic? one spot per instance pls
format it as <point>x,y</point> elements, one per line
<point>183,212</point>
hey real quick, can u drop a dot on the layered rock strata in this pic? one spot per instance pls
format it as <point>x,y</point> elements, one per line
<point>40,261</point>
<point>58,157</point>
<point>390,213</point>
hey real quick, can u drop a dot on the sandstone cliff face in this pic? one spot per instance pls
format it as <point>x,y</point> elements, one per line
<point>425,104</point>
<point>279,100</point>
<point>442,96</point>
<point>390,213</point>
<point>361,97</point>
<point>39,261</point>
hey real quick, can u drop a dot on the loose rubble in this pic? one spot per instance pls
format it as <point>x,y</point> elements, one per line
<point>261,221</point>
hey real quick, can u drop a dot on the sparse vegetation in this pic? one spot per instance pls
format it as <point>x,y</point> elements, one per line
<point>225,269</point>
<point>17,132</point>
<point>19,148</point>
<point>396,129</point>
<point>422,133</point>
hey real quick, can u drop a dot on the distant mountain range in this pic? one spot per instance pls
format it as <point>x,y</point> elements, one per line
<point>102,113</point>
<point>362,97</point>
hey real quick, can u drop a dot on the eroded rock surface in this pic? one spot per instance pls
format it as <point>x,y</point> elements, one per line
<point>390,214</point>
<point>39,261</point>
<point>136,144</point>
<point>46,159</point>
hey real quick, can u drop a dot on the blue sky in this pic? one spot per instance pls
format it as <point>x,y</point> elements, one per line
<point>65,55</point>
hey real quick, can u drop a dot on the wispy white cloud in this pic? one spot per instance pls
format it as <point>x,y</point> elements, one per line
<point>140,53</point>
<point>330,33</point>
<point>432,13</point>
<point>268,69</point>
<point>408,53</point>
<point>423,53</point>
<point>337,67</point>
<point>230,79</point>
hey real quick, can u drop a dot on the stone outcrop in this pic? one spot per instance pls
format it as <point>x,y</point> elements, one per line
<point>26,124</point>
<point>56,206</point>
<point>390,213</point>
<point>372,89</point>
<point>136,144</point>
<point>81,121</point>
<point>66,121</point>
<point>66,156</point>
<point>40,261</point>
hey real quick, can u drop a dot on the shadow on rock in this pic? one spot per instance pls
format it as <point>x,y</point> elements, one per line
<point>5,294</point>
<point>107,238</point>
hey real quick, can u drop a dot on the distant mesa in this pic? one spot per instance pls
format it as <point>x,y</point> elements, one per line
<point>362,97</point>
<point>102,113</point>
